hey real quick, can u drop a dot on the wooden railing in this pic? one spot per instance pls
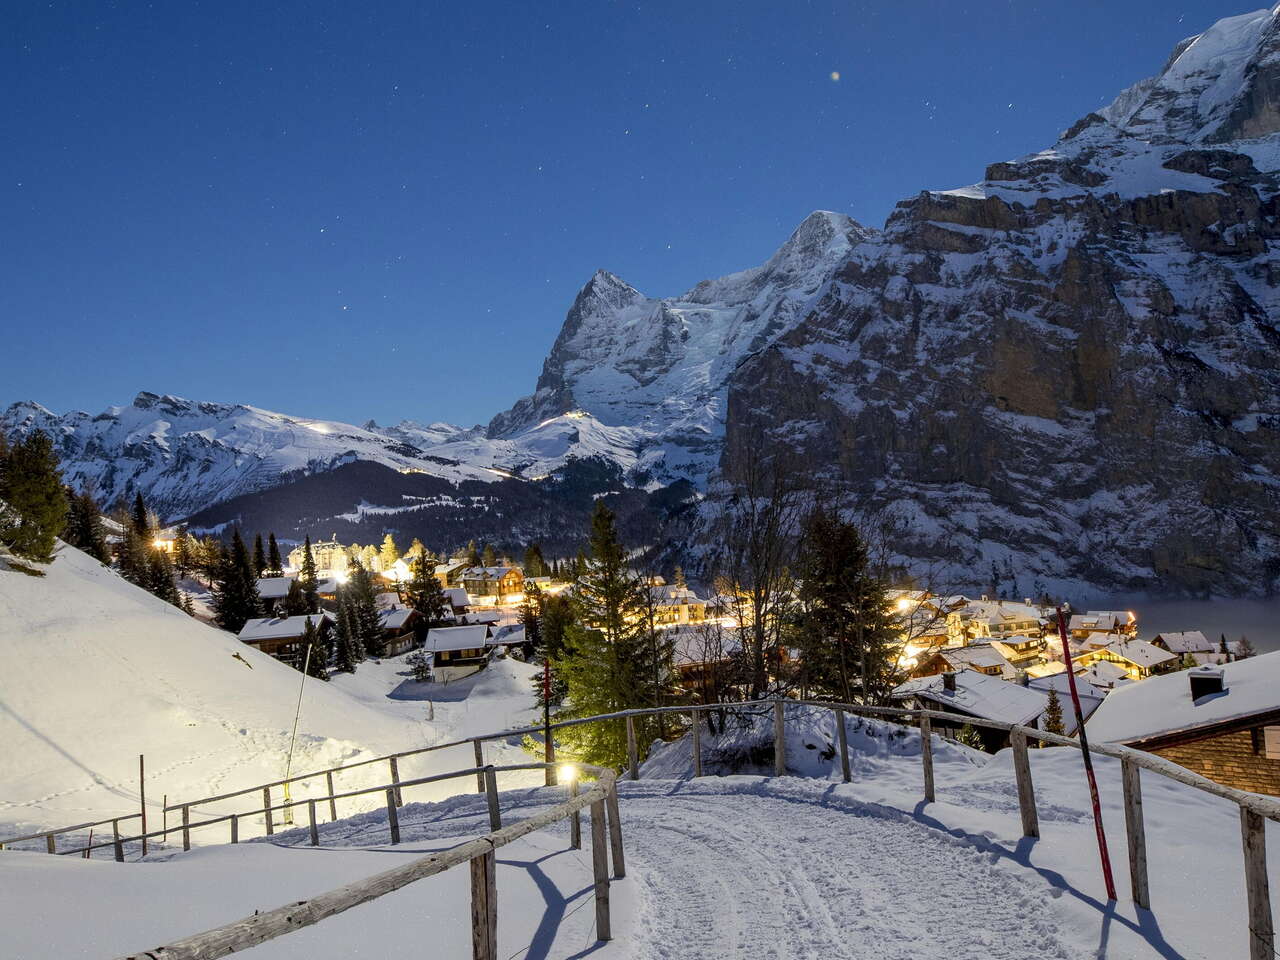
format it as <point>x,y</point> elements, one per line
<point>600,796</point>
<point>1254,809</point>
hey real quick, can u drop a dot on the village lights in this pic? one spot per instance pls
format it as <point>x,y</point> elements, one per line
<point>568,773</point>
<point>903,604</point>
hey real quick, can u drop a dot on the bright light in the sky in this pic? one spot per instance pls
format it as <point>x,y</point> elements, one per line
<point>835,76</point>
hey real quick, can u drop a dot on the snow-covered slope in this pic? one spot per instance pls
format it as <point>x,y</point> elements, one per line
<point>660,366</point>
<point>97,671</point>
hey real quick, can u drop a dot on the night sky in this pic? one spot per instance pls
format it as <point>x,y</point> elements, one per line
<point>355,210</point>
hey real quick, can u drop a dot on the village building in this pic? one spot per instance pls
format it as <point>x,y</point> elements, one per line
<point>978,657</point>
<point>281,637</point>
<point>450,572</point>
<point>675,605</point>
<point>993,620</point>
<point>1021,653</point>
<point>330,558</point>
<point>457,600</point>
<point>975,694</point>
<point>456,652</point>
<point>1194,644</point>
<point>493,585</point>
<point>1222,722</point>
<point>402,628</point>
<point>1137,658</point>
<point>1103,621</point>
<point>1105,675</point>
<point>272,591</point>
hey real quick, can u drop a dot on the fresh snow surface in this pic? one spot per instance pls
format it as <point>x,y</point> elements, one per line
<point>97,671</point>
<point>799,867</point>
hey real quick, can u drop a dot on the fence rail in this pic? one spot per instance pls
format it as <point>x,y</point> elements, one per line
<point>1254,809</point>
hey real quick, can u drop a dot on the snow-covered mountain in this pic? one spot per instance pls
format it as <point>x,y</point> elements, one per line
<point>1074,364</point>
<point>660,367</point>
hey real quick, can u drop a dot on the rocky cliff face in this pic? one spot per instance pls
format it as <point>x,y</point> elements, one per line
<point>1074,364</point>
<point>661,367</point>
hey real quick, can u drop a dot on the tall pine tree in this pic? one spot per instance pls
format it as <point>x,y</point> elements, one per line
<point>310,582</point>
<point>84,525</point>
<point>235,590</point>
<point>259,555</point>
<point>139,518</point>
<point>275,566</point>
<point>31,490</point>
<point>317,663</point>
<point>389,553</point>
<point>424,592</point>
<point>366,619</point>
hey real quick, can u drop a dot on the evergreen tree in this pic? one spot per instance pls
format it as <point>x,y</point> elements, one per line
<point>606,669</point>
<point>259,555</point>
<point>187,606</point>
<point>847,632</point>
<point>1244,649</point>
<point>389,554</point>
<point>420,665</point>
<point>416,549</point>
<point>133,559</point>
<point>274,564</point>
<point>488,558</point>
<point>310,582</point>
<point>424,592</point>
<point>534,565</point>
<point>317,663</point>
<point>970,737</point>
<point>555,617</point>
<point>366,620</point>
<point>1053,715</point>
<point>295,602</point>
<point>160,578</point>
<point>347,649</point>
<point>531,616</point>
<point>31,490</point>
<point>84,525</point>
<point>680,580</point>
<point>183,555</point>
<point>1188,661</point>
<point>139,518</point>
<point>472,554</point>
<point>235,590</point>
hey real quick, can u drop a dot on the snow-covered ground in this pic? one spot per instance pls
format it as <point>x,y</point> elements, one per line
<point>97,671</point>
<point>733,866</point>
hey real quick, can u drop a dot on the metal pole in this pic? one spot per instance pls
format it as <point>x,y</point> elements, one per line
<point>548,749</point>
<point>293,737</point>
<point>1088,761</point>
<point>142,798</point>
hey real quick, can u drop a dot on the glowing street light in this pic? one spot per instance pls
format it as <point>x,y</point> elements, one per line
<point>568,773</point>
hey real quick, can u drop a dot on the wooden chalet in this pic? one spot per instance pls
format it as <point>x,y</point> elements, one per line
<point>281,637</point>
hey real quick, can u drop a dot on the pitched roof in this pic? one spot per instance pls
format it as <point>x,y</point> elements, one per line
<point>280,628</point>
<point>976,655</point>
<point>979,695</point>
<point>1105,674</point>
<point>1189,641</point>
<point>1141,653</point>
<point>457,597</point>
<point>396,618</point>
<point>1163,704</point>
<point>456,638</point>
<point>274,588</point>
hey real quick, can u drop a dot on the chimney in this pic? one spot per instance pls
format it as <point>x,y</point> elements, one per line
<point>1205,681</point>
<point>949,682</point>
<point>1027,601</point>
<point>1023,679</point>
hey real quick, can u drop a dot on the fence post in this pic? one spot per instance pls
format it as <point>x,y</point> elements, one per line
<point>235,828</point>
<point>575,819</point>
<point>395,781</point>
<point>1262,939</point>
<point>926,756</point>
<point>333,804</point>
<point>697,744</point>
<point>484,907</point>
<point>115,837</point>
<point>1135,831</point>
<point>491,789</point>
<point>842,742</point>
<point>186,826</point>
<point>600,867</point>
<point>266,805</point>
<point>311,814</point>
<point>50,844</point>
<point>479,763</point>
<point>633,763</point>
<point>615,832</point>
<point>1026,791</point>
<point>393,818</point>
<point>779,740</point>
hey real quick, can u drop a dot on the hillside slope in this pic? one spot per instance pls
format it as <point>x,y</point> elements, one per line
<point>97,671</point>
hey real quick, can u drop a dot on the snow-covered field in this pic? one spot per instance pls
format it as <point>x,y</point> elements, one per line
<point>97,672</point>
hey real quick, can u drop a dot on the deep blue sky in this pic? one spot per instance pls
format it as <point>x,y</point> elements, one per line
<point>383,209</point>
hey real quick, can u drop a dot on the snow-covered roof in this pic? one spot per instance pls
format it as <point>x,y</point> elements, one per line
<point>1188,641</point>
<point>703,643</point>
<point>274,588</point>
<point>280,628</point>
<point>482,616</point>
<point>487,573</point>
<point>1090,697</point>
<point>396,618</point>
<point>976,655</point>
<point>456,638</point>
<point>979,695</point>
<point>457,597</point>
<point>1163,704</point>
<point>1105,674</point>
<point>1095,621</point>
<point>1141,653</point>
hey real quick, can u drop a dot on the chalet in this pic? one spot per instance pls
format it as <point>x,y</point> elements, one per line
<point>978,657</point>
<point>1137,658</point>
<point>1195,644</point>
<point>494,585</point>
<point>1102,621</point>
<point>1222,722</point>
<point>402,628</point>
<point>457,599</point>
<point>674,604</point>
<point>1105,675</point>
<point>272,591</point>
<point>978,695</point>
<point>449,573</point>
<point>487,617</point>
<point>457,652</point>
<point>993,620</point>
<point>281,637</point>
<point>1021,653</point>
<point>706,658</point>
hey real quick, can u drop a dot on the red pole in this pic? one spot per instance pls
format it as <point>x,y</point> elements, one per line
<point>1088,761</point>
<point>547,749</point>
<point>142,799</point>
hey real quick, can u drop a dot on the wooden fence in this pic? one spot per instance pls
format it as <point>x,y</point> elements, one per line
<point>1254,809</point>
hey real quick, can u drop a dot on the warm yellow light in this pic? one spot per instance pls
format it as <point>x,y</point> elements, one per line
<point>903,603</point>
<point>568,773</point>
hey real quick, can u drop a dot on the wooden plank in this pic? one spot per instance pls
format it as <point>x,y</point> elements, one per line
<point>779,740</point>
<point>697,744</point>
<point>333,804</point>
<point>395,781</point>
<point>1262,939</point>
<point>633,762</point>
<point>600,869</point>
<point>393,818</point>
<point>1135,831</point>
<point>311,815</point>
<point>842,744</point>
<point>484,907</point>
<point>615,833</point>
<point>479,765</point>
<point>1026,790</point>
<point>926,757</point>
<point>186,828</point>
<point>235,829</point>
<point>266,803</point>
<point>575,819</point>
<point>491,793</point>
<point>115,841</point>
